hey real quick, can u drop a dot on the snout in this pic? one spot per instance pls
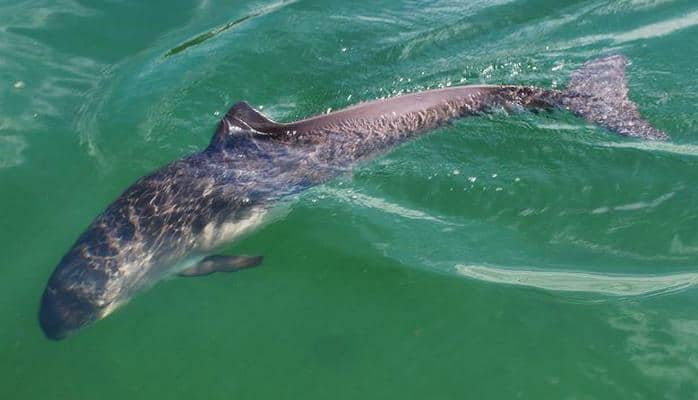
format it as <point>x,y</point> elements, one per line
<point>62,312</point>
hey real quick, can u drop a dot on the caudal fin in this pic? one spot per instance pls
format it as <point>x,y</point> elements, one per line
<point>598,93</point>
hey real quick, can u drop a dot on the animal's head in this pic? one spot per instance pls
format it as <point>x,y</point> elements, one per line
<point>140,238</point>
<point>110,259</point>
<point>87,284</point>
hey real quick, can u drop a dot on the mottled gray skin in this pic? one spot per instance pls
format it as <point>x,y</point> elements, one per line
<point>174,217</point>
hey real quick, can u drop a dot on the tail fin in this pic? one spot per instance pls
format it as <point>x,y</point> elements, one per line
<point>598,93</point>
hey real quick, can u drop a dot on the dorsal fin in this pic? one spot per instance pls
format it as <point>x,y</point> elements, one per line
<point>242,117</point>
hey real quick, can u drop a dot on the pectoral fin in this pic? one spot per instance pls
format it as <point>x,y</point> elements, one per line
<point>213,264</point>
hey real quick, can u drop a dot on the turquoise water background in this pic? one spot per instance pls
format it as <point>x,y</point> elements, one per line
<point>525,256</point>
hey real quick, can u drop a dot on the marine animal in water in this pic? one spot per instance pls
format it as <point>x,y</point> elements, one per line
<point>173,220</point>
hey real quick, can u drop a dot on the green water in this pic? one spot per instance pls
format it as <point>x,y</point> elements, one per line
<point>528,256</point>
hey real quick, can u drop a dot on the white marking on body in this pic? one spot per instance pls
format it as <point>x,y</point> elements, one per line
<point>213,235</point>
<point>109,309</point>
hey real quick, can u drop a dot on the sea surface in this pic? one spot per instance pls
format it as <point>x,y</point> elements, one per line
<point>528,256</point>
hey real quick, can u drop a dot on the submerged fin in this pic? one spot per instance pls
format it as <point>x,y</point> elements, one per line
<point>598,93</point>
<point>213,264</point>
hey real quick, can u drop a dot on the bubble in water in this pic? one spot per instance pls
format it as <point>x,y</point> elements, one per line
<point>19,85</point>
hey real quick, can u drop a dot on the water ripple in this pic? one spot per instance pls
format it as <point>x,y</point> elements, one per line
<point>635,206</point>
<point>381,205</point>
<point>11,151</point>
<point>683,149</point>
<point>655,30</point>
<point>197,40</point>
<point>603,284</point>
